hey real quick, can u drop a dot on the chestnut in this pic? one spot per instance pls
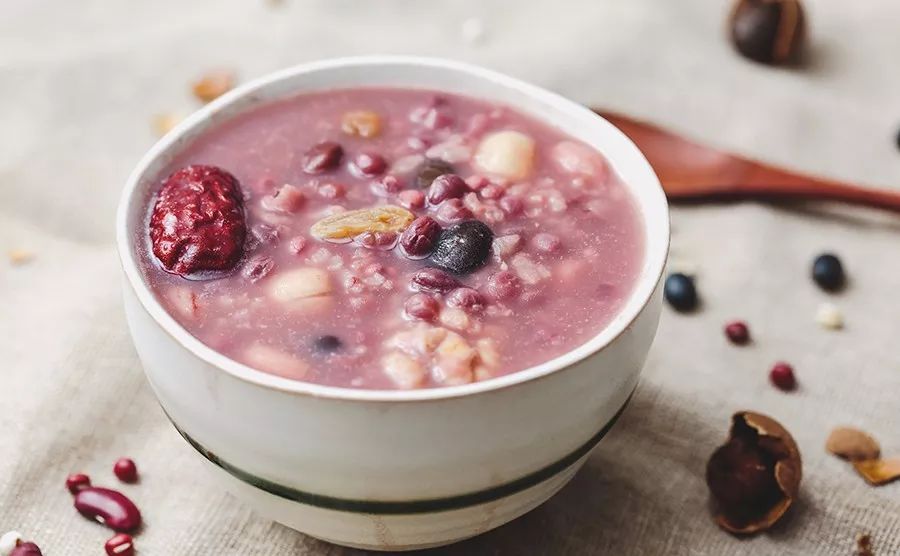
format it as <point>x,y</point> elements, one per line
<point>755,476</point>
<point>769,31</point>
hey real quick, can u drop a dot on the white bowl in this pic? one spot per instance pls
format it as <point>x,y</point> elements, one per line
<point>396,470</point>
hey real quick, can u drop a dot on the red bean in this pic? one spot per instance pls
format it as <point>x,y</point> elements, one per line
<point>446,186</point>
<point>77,481</point>
<point>419,238</point>
<point>422,306</point>
<point>737,332</point>
<point>322,157</point>
<point>384,241</point>
<point>126,470</point>
<point>411,198</point>
<point>368,164</point>
<point>491,191</point>
<point>511,205</point>
<point>453,211</point>
<point>109,507</point>
<point>386,185</point>
<point>467,299</point>
<point>782,376</point>
<point>433,280</point>
<point>120,545</point>
<point>504,285</point>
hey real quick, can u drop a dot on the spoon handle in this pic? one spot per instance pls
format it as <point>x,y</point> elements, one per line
<point>692,172</point>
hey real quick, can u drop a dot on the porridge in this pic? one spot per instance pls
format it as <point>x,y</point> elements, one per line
<point>390,239</point>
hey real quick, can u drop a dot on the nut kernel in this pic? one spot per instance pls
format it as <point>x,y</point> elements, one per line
<point>361,123</point>
<point>344,226</point>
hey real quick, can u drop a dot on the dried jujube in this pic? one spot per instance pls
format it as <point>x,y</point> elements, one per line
<point>755,476</point>
<point>197,223</point>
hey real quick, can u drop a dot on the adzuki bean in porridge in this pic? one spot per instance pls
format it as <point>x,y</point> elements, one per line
<point>388,238</point>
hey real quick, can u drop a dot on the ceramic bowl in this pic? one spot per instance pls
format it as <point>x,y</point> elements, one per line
<point>394,470</point>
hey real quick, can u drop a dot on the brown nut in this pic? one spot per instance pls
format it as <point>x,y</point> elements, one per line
<point>213,85</point>
<point>768,31</point>
<point>879,472</point>
<point>361,123</point>
<point>755,476</point>
<point>852,444</point>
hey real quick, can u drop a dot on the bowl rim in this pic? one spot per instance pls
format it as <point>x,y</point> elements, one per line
<point>635,303</point>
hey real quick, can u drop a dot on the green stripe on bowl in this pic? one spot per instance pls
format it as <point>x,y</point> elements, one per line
<point>385,507</point>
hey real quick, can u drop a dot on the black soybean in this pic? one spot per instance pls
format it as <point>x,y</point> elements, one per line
<point>828,272</point>
<point>464,247</point>
<point>680,292</point>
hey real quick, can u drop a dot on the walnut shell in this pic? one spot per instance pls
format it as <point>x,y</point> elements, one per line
<point>755,476</point>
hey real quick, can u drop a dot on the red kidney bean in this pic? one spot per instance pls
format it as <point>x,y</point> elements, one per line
<point>504,285</point>
<point>446,186</point>
<point>120,545</point>
<point>368,164</point>
<point>419,238</point>
<point>26,549</point>
<point>109,507</point>
<point>124,468</point>
<point>433,280</point>
<point>467,299</point>
<point>422,306</point>
<point>322,157</point>
<point>452,211</point>
<point>77,481</point>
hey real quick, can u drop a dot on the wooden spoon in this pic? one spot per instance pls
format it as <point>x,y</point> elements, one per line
<point>692,172</point>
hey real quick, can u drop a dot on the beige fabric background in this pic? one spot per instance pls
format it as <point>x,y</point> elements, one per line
<point>80,81</point>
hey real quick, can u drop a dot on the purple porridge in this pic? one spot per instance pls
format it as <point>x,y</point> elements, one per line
<point>390,239</point>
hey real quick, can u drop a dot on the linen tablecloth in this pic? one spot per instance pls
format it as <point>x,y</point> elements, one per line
<point>81,81</point>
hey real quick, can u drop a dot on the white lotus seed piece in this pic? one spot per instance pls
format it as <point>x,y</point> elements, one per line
<point>509,154</point>
<point>273,360</point>
<point>403,370</point>
<point>9,541</point>
<point>299,283</point>
<point>830,317</point>
<point>488,352</point>
<point>455,318</point>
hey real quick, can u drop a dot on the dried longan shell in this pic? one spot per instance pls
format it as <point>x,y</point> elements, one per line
<point>853,444</point>
<point>878,472</point>
<point>776,442</point>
